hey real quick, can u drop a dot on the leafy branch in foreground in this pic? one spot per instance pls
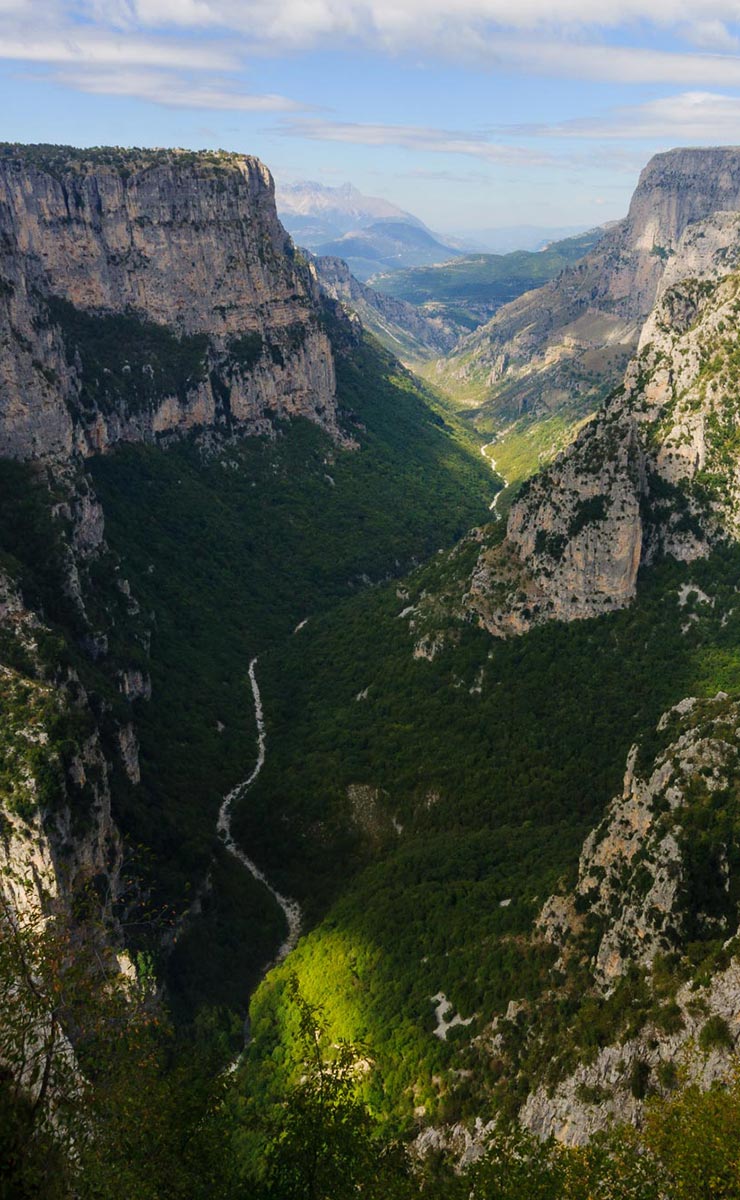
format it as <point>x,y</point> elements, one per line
<point>324,1143</point>
<point>97,1098</point>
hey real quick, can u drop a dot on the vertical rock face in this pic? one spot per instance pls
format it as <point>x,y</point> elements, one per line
<point>57,834</point>
<point>545,349</point>
<point>403,328</point>
<point>142,293</point>
<point>637,873</point>
<point>655,472</point>
<point>656,880</point>
<point>675,190</point>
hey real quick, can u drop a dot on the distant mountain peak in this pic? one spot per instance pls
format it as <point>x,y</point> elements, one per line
<point>317,215</point>
<point>308,198</point>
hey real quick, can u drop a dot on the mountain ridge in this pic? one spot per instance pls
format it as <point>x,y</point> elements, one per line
<point>559,350</point>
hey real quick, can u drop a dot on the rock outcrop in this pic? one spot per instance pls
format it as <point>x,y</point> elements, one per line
<point>57,833</point>
<point>657,879</point>
<point>566,344</point>
<point>637,871</point>
<point>401,327</point>
<point>145,293</point>
<point>655,472</point>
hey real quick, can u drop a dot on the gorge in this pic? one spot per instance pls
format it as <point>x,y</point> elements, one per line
<point>479,902</point>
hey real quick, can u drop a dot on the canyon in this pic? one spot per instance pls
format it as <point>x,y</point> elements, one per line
<point>490,856</point>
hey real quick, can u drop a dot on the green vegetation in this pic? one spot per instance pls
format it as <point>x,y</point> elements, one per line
<point>148,1114</point>
<point>715,1034</point>
<point>138,1112</point>
<point>58,159</point>
<point>31,774</point>
<point>589,512</point>
<point>531,442</point>
<point>486,767</point>
<point>126,361</point>
<point>469,290</point>
<point>421,806</point>
<point>247,349</point>
<point>227,552</point>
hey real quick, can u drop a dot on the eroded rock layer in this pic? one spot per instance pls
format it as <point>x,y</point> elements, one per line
<point>145,293</point>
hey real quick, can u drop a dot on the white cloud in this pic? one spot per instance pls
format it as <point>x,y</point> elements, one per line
<point>562,36</point>
<point>711,35</point>
<point>417,139</point>
<point>557,38</point>
<point>617,64</point>
<point>699,117</point>
<point>295,20</point>
<point>173,91</point>
<point>89,46</point>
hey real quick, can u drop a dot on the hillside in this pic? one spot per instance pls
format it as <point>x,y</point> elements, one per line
<point>187,476</point>
<point>386,246</point>
<point>547,360</point>
<point>476,769</point>
<point>269,649</point>
<point>401,327</point>
<point>472,288</point>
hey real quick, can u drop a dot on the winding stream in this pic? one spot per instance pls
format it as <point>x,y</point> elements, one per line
<point>290,908</point>
<point>493,506</point>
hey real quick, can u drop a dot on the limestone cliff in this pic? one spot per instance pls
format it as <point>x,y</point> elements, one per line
<point>657,881</point>
<point>655,471</point>
<point>57,834</point>
<point>566,344</point>
<point>144,293</point>
<point>402,328</point>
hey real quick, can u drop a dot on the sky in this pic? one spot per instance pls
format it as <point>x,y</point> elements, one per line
<point>481,114</point>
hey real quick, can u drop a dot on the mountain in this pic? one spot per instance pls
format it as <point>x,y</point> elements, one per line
<point>652,474</point>
<point>314,213</point>
<point>370,234</point>
<point>402,328</point>
<point>422,312</point>
<point>114,342</point>
<point>199,452</point>
<point>296,732</point>
<point>111,335</point>
<point>472,288</point>
<point>539,751</point>
<point>387,246</point>
<point>643,895</point>
<point>551,356</point>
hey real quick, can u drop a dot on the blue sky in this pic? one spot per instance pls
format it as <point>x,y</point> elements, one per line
<point>481,114</point>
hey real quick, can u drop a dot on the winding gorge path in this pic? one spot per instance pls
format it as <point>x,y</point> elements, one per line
<point>493,506</point>
<point>290,908</point>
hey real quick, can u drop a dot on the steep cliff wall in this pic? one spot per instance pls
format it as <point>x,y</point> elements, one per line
<point>656,886</point>
<point>145,293</point>
<point>401,327</point>
<point>57,834</point>
<point>568,342</point>
<point>655,472</point>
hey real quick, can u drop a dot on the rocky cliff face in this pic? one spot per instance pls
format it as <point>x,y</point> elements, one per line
<point>146,293</point>
<point>655,471</point>
<point>57,834</point>
<point>656,881</point>
<point>641,991</point>
<point>401,327</point>
<point>567,343</point>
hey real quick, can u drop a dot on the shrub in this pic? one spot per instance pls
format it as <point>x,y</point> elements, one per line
<point>715,1034</point>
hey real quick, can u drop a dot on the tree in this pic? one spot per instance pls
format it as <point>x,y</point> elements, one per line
<point>324,1144</point>
<point>98,1098</point>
